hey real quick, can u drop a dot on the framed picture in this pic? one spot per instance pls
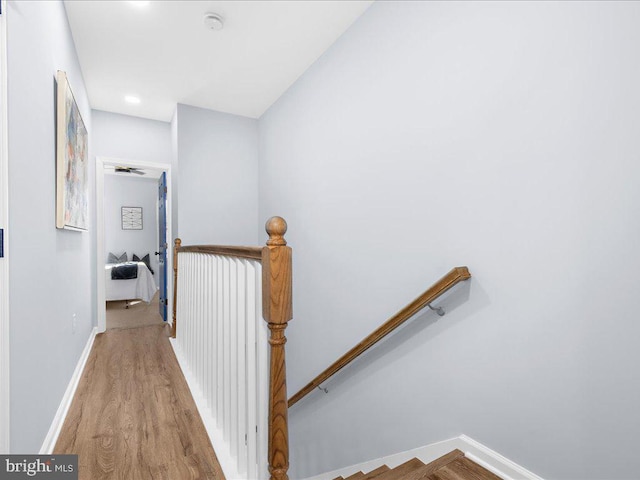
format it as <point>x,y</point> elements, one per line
<point>72,161</point>
<point>132,218</point>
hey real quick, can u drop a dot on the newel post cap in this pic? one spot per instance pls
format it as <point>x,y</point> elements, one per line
<point>177,242</point>
<point>276,228</point>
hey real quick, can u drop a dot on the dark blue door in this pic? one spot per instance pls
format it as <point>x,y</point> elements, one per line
<point>162,247</point>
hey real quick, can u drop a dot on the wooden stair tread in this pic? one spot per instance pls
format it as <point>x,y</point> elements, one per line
<point>401,471</point>
<point>424,472</point>
<point>462,469</point>
<point>452,466</point>
<point>375,473</point>
<point>365,476</point>
<point>356,476</point>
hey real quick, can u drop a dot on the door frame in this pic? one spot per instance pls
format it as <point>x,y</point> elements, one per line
<point>5,411</point>
<point>101,162</point>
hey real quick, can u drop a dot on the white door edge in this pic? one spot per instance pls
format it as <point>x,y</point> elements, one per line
<point>5,411</point>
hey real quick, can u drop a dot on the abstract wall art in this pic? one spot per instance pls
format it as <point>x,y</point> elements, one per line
<point>72,161</point>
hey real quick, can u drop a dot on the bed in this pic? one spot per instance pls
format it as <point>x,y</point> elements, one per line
<point>143,287</point>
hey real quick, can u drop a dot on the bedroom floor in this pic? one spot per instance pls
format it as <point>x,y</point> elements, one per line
<point>133,417</point>
<point>138,314</point>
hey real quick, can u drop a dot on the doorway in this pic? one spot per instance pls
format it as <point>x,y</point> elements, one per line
<point>154,171</point>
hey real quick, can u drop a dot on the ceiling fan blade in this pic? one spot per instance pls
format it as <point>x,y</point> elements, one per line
<point>121,169</point>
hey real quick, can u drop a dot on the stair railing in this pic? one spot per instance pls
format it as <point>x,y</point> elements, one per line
<point>219,292</point>
<point>452,278</point>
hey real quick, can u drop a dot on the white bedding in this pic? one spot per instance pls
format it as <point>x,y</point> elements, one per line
<point>144,287</point>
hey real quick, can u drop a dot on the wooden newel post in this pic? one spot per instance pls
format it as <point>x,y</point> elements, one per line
<point>176,246</point>
<point>277,311</point>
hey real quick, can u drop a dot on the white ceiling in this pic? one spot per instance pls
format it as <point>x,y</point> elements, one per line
<point>163,53</point>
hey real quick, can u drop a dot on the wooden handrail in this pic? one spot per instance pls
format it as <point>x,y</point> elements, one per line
<point>253,253</point>
<point>455,276</point>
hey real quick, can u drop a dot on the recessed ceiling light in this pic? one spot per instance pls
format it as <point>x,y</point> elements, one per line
<point>213,21</point>
<point>132,99</point>
<point>139,4</point>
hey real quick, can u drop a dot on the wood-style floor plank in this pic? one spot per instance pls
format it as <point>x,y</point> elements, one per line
<point>133,417</point>
<point>463,469</point>
<point>423,473</point>
<point>401,471</point>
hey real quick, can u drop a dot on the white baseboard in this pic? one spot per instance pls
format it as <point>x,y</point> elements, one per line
<point>54,431</point>
<point>475,451</point>
<point>493,461</point>
<point>221,447</point>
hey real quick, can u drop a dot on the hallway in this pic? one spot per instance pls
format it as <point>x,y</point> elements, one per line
<point>133,417</point>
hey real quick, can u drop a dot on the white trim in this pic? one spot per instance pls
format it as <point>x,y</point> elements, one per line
<point>502,466</point>
<point>5,412</point>
<point>54,431</point>
<point>487,466</point>
<point>101,162</point>
<point>475,451</point>
<point>220,446</point>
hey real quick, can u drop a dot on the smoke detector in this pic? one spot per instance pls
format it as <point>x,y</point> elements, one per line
<point>213,21</point>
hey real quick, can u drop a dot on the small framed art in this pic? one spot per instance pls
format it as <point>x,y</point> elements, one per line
<point>131,218</point>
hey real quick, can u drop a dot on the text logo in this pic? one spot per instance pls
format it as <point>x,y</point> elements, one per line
<point>49,467</point>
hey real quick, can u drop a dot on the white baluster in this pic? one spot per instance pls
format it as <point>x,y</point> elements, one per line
<point>211,346</point>
<point>187,310</point>
<point>224,340</point>
<point>202,322</point>
<point>233,344</point>
<point>220,346</point>
<point>251,392</point>
<point>242,366</point>
<point>180,303</point>
<point>226,387</point>
<point>262,337</point>
<point>206,284</point>
<point>197,312</point>
<point>192,299</point>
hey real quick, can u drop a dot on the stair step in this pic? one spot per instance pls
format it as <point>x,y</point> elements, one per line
<point>462,469</point>
<point>366,476</point>
<point>424,472</point>
<point>356,476</point>
<point>452,466</point>
<point>375,473</point>
<point>401,471</point>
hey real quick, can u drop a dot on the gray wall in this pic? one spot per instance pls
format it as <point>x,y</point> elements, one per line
<point>217,155</point>
<point>52,272</point>
<point>503,136</point>
<point>175,173</point>
<point>121,191</point>
<point>131,138</point>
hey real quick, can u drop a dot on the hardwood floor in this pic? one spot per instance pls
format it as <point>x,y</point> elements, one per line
<point>133,417</point>
<point>139,314</point>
